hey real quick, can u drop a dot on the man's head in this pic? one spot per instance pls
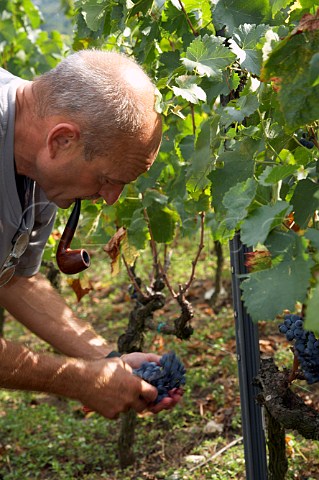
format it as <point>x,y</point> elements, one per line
<point>100,126</point>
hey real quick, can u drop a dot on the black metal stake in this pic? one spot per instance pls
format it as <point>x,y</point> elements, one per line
<point>248,366</point>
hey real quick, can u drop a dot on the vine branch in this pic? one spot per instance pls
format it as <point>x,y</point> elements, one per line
<point>195,33</point>
<point>282,403</point>
<point>199,250</point>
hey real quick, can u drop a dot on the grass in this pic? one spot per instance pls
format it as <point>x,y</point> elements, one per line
<point>48,438</point>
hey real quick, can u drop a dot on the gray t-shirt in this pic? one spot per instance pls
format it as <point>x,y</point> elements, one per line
<point>38,218</point>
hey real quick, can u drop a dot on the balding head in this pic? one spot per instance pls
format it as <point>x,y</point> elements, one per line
<point>106,93</point>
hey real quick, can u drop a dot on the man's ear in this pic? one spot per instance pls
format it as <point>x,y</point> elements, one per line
<point>62,137</point>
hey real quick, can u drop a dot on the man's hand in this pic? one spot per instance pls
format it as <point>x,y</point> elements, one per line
<point>110,388</point>
<point>135,360</point>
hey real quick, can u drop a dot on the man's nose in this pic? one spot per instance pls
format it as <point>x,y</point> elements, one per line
<point>111,193</point>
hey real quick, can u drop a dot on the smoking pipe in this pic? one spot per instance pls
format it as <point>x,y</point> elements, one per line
<point>71,261</point>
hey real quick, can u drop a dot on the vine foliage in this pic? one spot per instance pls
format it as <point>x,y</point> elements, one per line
<point>237,86</point>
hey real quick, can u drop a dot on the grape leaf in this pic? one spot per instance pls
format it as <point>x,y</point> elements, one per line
<point>313,235</point>
<point>295,50</point>
<point>93,12</point>
<point>237,201</point>
<point>268,292</point>
<point>312,311</point>
<point>238,165</point>
<point>277,5</point>
<point>208,56</point>
<point>163,222</point>
<point>201,160</point>
<point>154,196</point>
<point>314,70</point>
<point>279,242</point>
<point>245,43</point>
<point>256,227</point>
<point>238,110</point>
<point>201,8</point>
<point>232,13</point>
<point>137,232</point>
<point>188,89</point>
<point>125,210</point>
<point>273,175</point>
<point>304,201</point>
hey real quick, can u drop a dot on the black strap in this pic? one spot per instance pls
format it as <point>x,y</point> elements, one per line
<point>113,354</point>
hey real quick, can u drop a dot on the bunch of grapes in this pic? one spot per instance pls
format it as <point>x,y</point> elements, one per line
<point>306,346</point>
<point>169,374</point>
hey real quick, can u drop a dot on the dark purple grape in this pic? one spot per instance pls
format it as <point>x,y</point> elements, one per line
<point>306,346</point>
<point>169,374</point>
<point>306,143</point>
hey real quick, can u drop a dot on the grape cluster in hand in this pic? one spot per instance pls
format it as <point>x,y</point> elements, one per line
<point>306,346</point>
<point>169,374</point>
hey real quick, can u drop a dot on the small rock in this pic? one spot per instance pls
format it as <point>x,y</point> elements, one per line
<point>194,459</point>
<point>213,427</point>
<point>174,476</point>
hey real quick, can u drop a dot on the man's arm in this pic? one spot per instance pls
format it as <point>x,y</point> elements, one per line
<point>38,306</point>
<point>105,386</point>
<point>95,381</point>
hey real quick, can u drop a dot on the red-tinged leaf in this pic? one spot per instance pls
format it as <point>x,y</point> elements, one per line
<point>290,223</point>
<point>307,23</point>
<point>79,290</point>
<point>112,248</point>
<point>257,260</point>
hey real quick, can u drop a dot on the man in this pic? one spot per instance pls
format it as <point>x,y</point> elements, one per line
<point>83,130</point>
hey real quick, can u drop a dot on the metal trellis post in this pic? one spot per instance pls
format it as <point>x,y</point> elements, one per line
<point>248,366</point>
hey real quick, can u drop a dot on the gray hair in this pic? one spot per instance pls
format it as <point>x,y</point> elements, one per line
<point>91,88</point>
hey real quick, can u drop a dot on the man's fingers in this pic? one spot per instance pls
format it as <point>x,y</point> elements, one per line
<point>148,392</point>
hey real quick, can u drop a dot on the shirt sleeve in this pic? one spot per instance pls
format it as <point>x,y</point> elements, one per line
<point>44,218</point>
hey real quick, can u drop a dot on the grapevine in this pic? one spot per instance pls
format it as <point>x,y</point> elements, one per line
<point>306,346</point>
<point>165,376</point>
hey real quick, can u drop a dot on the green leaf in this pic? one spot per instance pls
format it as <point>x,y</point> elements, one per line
<point>237,201</point>
<point>33,13</point>
<point>238,110</point>
<point>232,13</point>
<point>256,227</point>
<point>93,12</point>
<point>137,232</point>
<point>125,210</point>
<point>295,51</point>
<point>140,6</point>
<point>201,8</point>
<point>153,196</point>
<point>245,45</point>
<point>313,235</point>
<point>277,5</point>
<point>208,56</point>
<point>314,70</point>
<point>272,175</point>
<point>149,179</point>
<point>188,89</point>
<point>162,223</point>
<point>279,243</point>
<point>238,165</point>
<point>304,201</point>
<point>268,292</point>
<point>312,311</point>
<point>201,161</point>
